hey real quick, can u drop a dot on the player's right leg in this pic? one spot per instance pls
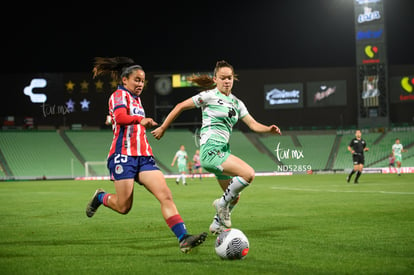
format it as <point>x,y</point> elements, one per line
<point>216,226</point>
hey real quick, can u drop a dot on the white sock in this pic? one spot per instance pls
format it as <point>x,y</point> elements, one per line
<point>183,177</point>
<point>236,185</point>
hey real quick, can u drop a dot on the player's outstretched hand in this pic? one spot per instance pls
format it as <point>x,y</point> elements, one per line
<point>158,132</point>
<point>148,122</point>
<point>275,130</point>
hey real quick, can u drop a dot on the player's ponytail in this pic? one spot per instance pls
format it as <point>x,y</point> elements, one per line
<point>117,67</point>
<point>206,81</point>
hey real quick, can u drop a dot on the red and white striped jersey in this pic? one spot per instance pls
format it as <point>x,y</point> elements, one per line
<point>131,139</point>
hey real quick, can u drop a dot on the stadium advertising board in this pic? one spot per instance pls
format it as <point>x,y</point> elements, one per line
<point>56,98</point>
<point>402,89</point>
<point>283,96</point>
<point>326,93</point>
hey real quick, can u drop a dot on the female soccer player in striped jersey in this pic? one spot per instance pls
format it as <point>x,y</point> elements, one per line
<point>130,156</point>
<point>220,112</point>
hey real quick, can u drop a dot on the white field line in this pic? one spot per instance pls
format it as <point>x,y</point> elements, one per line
<point>340,191</point>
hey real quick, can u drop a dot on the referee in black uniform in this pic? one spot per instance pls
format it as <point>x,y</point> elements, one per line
<point>357,147</point>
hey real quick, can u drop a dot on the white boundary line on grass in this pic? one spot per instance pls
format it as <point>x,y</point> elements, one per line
<point>341,191</point>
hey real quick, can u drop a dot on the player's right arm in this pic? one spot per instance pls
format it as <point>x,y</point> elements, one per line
<point>175,112</point>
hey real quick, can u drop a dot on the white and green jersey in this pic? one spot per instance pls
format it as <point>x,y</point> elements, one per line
<point>219,113</point>
<point>397,149</point>
<point>181,158</point>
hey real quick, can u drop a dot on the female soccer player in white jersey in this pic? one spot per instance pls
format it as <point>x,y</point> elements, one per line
<point>130,156</point>
<point>220,112</point>
<point>397,150</point>
<point>181,158</point>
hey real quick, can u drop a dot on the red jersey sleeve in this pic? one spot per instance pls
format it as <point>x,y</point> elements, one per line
<point>122,118</point>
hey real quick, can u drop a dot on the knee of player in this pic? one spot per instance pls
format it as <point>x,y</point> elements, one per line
<point>249,176</point>
<point>124,209</point>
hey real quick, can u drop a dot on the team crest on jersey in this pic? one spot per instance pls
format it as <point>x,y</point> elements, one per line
<point>200,100</point>
<point>119,169</point>
<point>118,99</point>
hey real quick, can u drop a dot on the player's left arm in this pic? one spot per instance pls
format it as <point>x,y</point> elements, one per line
<point>365,148</point>
<point>259,127</point>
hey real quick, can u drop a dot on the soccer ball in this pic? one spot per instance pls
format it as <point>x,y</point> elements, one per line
<point>232,244</point>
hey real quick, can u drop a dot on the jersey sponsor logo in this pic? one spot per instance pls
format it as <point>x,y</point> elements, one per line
<point>231,113</point>
<point>138,111</point>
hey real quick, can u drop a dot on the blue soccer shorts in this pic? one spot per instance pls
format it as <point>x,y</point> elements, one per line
<point>128,167</point>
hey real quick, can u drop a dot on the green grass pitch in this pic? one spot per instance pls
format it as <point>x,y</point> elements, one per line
<point>302,224</point>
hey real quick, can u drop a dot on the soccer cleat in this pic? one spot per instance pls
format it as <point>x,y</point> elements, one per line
<point>94,203</point>
<point>223,213</point>
<point>348,178</point>
<point>191,241</point>
<point>216,227</point>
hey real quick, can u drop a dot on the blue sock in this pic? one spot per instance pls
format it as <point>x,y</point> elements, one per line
<point>101,196</point>
<point>177,226</point>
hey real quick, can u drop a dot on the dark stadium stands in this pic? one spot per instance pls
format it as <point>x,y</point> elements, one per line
<point>64,153</point>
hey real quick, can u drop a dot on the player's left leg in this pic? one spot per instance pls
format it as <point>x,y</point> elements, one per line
<point>359,172</point>
<point>399,168</point>
<point>183,177</point>
<point>243,174</point>
<point>354,170</point>
<point>155,183</point>
<point>121,200</point>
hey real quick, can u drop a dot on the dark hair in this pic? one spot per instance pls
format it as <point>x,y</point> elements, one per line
<point>206,81</point>
<point>117,67</point>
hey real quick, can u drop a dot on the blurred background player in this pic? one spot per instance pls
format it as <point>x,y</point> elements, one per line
<point>190,165</point>
<point>197,164</point>
<point>391,163</point>
<point>181,158</point>
<point>357,147</point>
<point>397,150</point>
<point>130,156</point>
